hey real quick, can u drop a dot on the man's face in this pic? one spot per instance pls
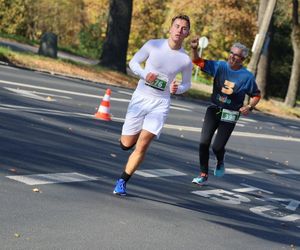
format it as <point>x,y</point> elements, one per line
<point>235,58</point>
<point>179,30</point>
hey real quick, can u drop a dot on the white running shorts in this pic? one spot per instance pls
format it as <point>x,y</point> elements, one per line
<point>145,113</point>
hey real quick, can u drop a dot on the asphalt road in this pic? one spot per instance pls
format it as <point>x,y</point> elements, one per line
<point>58,167</point>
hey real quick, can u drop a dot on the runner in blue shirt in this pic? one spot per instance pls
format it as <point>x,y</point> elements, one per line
<point>231,83</point>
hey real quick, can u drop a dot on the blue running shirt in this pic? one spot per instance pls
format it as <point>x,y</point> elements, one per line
<point>230,86</point>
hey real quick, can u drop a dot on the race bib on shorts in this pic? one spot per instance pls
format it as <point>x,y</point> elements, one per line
<point>160,82</point>
<point>230,115</point>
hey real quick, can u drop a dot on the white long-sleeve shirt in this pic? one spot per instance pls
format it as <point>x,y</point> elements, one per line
<point>160,58</point>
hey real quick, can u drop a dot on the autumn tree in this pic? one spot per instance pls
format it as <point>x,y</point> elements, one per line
<point>116,43</point>
<point>291,97</point>
<point>148,17</point>
<point>223,22</point>
<point>264,60</point>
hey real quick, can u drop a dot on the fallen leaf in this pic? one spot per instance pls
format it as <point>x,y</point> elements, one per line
<point>36,190</point>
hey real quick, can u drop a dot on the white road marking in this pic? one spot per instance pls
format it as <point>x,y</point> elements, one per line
<point>283,171</point>
<point>60,91</point>
<point>47,94</point>
<point>29,94</point>
<point>8,67</point>
<point>179,108</point>
<point>168,126</point>
<point>293,127</point>
<point>159,173</point>
<point>44,111</point>
<point>247,119</point>
<point>41,179</point>
<point>239,171</point>
<point>176,107</point>
<point>125,92</point>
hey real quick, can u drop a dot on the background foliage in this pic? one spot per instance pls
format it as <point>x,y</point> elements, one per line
<point>81,26</point>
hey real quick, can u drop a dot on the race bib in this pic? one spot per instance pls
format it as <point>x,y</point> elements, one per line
<point>160,82</point>
<point>230,115</point>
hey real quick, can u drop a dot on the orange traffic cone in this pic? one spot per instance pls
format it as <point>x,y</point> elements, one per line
<point>104,108</point>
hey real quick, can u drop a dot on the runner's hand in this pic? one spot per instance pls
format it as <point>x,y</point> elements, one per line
<point>245,110</point>
<point>151,77</point>
<point>194,42</point>
<point>173,87</point>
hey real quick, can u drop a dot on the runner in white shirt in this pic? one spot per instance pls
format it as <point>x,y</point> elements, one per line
<point>149,106</point>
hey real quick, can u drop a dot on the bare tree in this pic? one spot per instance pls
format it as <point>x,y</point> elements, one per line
<point>291,96</point>
<point>264,60</point>
<point>263,29</point>
<point>118,28</point>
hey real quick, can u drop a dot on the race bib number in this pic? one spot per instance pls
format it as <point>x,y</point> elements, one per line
<point>230,115</point>
<point>160,82</point>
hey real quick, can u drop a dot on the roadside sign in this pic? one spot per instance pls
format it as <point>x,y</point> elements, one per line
<point>203,42</point>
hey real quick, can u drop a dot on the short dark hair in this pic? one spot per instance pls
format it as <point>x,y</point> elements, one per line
<point>182,16</point>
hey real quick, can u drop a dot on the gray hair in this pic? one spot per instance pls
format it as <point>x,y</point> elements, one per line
<point>242,47</point>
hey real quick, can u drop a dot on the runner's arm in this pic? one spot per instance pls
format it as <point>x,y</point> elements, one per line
<point>250,106</point>
<point>137,60</point>
<point>186,79</point>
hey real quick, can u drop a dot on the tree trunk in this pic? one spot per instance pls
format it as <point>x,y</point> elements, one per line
<point>291,96</point>
<point>116,42</point>
<point>263,29</point>
<point>264,60</point>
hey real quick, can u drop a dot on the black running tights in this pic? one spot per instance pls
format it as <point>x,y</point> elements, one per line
<point>211,124</point>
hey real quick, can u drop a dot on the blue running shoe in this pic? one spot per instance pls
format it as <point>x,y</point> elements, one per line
<point>120,188</point>
<point>220,169</point>
<point>202,178</point>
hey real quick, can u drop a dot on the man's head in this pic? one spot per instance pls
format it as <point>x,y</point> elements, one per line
<point>238,53</point>
<point>180,28</point>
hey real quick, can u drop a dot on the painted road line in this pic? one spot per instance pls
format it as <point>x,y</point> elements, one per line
<point>239,171</point>
<point>124,92</point>
<point>35,94</point>
<point>284,171</point>
<point>159,173</point>
<point>60,91</point>
<point>236,133</point>
<point>41,179</point>
<point>51,95</point>
<point>293,127</point>
<point>173,106</point>
<point>119,119</point>
<point>44,111</point>
<point>29,94</point>
<point>247,119</point>
<point>179,108</point>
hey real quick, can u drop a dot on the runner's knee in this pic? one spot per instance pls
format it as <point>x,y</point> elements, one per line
<point>126,148</point>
